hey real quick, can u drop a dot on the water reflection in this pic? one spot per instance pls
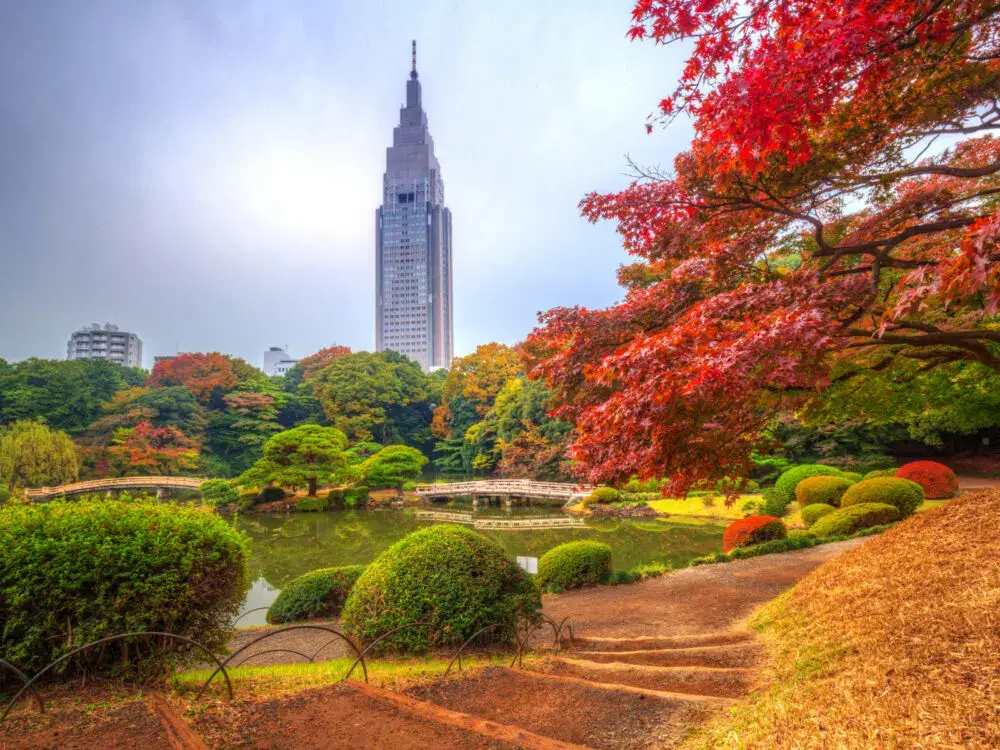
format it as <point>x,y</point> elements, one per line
<point>283,547</point>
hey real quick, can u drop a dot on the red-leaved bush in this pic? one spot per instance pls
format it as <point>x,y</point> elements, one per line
<point>753,530</point>
<point>937,479</point>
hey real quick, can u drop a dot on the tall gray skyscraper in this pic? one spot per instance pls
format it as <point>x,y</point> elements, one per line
<point>413,243</point>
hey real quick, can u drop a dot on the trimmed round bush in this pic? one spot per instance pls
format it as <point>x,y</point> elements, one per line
<point>73,572</point>
<point>880,473</point>
<point>812,513</point>
<point>803,533</point>
<point>853,518</point>
<point>753,530</point>
<point>854,476</point>
<point>5,495</point>
<point>218,492</point>
<point>903,494</point>
<point>321,593</point>
<point>821,489</point>
<point>605,495</point>
<point>271,493</point>
<point>788,481</point>
<point>448,577</point>
<point>938,481</point>
<point>574,564</point>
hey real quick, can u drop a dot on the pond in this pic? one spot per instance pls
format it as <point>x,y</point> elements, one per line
<point>283,547</point>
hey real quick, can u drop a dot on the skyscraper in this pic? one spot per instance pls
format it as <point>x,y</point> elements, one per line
<point>413,296</point>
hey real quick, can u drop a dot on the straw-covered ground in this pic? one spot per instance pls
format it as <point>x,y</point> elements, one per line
<point>893,644</point>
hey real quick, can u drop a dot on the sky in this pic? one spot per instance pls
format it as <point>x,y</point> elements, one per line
<point>205,173</point>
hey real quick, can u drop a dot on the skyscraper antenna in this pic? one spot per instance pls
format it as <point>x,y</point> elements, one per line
<point>413,69</point>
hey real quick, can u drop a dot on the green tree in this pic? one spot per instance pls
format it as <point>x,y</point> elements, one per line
<point>301,457</point>
<point>34,455</point>
<point>238,432</point>
<point>393,466</point>
<point>67,394</point>
<point>380,397</point>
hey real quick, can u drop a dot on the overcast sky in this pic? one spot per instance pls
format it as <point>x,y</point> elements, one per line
<point>206,172</point>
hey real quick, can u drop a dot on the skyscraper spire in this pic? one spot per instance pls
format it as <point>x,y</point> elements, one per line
<point>413,69</point>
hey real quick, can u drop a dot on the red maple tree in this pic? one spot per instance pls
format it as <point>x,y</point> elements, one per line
<point>817,215</point>
<point>206,375</point>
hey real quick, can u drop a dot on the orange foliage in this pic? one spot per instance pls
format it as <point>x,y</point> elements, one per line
<point>752,530</point>
<point>312,364</point>
<point>203,374</point>
<point>938,480</point>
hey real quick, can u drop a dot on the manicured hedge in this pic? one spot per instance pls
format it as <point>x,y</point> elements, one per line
<point>903,494</point>
<point>218,492</point>
<point>605,495</point>
<point>574,564</point>
<point>73,572</point>
<point>853,518</point>
<point>321,593</point>
<point>815,511</point>
<point>447,576</point>
<point>788,481</point>
<point>752,530</point>
<point>880,473</point>
<point>797,539</point>
<point>271,494</point>
<point>854,476</point>
<point>821,489</point>
<point>938,481</point>
<point>310,504</point>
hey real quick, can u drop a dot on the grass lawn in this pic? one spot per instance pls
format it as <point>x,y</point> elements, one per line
<point>695,506</point>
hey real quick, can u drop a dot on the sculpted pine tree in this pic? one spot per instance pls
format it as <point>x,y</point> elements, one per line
<point>815,217</point>
<point>301,457</point>
<point>393,466</point>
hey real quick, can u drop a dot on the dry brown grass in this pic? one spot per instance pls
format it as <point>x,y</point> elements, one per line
<point>894,644</point>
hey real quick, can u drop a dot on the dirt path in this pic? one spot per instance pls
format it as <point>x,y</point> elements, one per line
<point>705,599</point>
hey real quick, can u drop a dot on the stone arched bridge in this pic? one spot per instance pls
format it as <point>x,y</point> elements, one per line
<point>42,494</point>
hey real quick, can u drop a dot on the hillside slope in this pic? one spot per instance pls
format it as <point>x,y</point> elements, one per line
<point>893,644</point>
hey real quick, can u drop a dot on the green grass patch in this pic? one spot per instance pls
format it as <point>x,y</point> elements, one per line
<point>269,679</point>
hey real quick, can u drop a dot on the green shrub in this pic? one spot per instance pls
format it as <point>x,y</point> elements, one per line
<point>218,492</point>
<point>447,576</point>
<point>776,502</point>
<point>788,481</point>
<point>801,533</point>
<point>73,572</point>
<point>5,495</point>
<point>356,494</point>
<point>270,494</point>
<point>815,511</point>
<point>904,495</point>
<point>311,504</point>
<point>335,498</point>
<point>880,474</point>
<point>753,507</point>
<point>321,593</point>
<point>409,486</point>
<point>606,494</point>
<point>851,518</point>
<point>854,476</point>
<point>574,564</point>
<point>821,489</point>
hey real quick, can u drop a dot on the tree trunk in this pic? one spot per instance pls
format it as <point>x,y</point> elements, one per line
<point>312,486</point>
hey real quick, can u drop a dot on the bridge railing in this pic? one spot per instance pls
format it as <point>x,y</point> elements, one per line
<point>96,485</point>
<point>516,487</point>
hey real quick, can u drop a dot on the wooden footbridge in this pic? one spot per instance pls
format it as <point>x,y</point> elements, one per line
<point>507,490</point>
<point>160,484</point>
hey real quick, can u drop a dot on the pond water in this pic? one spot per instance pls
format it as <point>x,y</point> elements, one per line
<point>283,547</point>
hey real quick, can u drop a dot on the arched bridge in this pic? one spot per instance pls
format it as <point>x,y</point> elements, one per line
<point>118,483</point>
<point>507,489</point>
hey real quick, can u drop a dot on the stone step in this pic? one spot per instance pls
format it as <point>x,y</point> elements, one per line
<point>572,710</point>
<point>640,643</point>
<point>698,681</point>
<point>731,655</point>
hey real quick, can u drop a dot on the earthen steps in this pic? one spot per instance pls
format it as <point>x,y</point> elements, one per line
<point>723,682</point>
<point>571,709</point>
<point>639,643</point>
<point>738,655</point>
